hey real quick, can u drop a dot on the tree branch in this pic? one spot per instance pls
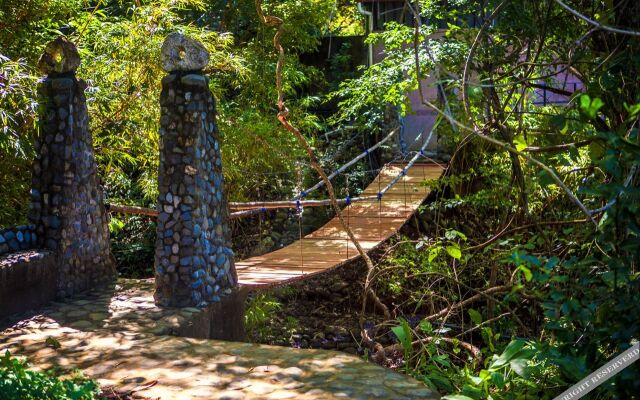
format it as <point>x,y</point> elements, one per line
<point>550,89</point>
<point>520,228</point>
<point>474,298</point>
<point>559,147</point>
<point>596,23</point>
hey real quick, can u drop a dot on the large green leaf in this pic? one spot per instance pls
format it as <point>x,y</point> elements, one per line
<point>590,107</point>
<point>509,352</point>
<point>476,317</point>
<point>454,251</point>
<point>520,142</point>
<point>404,335</point>
<point>520,366</point>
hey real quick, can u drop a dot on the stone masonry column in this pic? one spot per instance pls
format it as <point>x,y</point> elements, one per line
<point>193,262</point>
<point>67,205</point>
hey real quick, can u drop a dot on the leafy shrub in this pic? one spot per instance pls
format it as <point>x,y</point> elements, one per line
<point>18,382</point>
<point>133,245</point>
<point>258,311</point>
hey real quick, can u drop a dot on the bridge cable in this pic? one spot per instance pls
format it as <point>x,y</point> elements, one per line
<point>262,206</point>
<point>348,203</point>
<point>293,203</point>
<point>282,117</point>
<point>341,169</point>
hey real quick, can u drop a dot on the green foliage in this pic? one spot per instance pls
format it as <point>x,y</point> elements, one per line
<point>133,245</point>
<point>123,100</point>
<point>18,382</point>
<point>17,132</point>
<point>17,107</point>
<point>15,181</point>
<point>572,298</point>
<point>404,335</point>
<point>26,26</point>
<point>579,281</point>
<point>119,42</point>
<point>363,100</point>
<point>258,311</point>
<point>571,302</point>
<point>345,20</point>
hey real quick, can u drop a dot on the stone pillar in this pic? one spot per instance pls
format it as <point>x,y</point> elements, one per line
<point>193,262</point>
<point>67,206</point>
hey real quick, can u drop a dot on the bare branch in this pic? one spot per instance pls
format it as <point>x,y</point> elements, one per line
<point>596,23</point>
<point>613,201</point>
<point>520,228</point>
<point>550,89</point>
<point>474,46</point>
<point>483,324</point>
<point>475,351</point>
<point>559,147</point>
<point>527,157</point>
<point>475,297</point>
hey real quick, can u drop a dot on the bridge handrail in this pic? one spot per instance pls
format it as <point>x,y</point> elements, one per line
<point>340,170</point>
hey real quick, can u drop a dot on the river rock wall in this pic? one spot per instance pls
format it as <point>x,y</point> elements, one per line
<point>66,248</point>
<point>67,203</point>
<point>194,263</point>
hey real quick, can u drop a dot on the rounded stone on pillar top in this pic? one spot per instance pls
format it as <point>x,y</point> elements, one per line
<point>60,56</point>
<point>182,53</point>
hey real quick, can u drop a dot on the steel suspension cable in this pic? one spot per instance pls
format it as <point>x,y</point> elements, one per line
<point>344,167</point>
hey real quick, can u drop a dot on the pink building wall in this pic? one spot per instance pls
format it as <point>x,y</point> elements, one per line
<point>423,118</point>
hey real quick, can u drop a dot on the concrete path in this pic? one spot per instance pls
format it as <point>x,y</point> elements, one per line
<point>121,338</point>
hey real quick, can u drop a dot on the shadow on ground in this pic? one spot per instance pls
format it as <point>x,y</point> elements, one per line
<point>121,338</point>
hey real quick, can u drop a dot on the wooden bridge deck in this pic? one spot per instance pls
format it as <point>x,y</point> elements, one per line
<point>372,222</point>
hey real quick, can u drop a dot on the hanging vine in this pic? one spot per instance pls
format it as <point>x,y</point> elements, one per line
<point>283,113</point>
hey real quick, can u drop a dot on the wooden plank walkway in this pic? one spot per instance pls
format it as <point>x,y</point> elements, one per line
<point>372,222</point>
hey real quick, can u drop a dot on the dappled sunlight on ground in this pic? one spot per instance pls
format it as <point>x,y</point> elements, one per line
<point>121,338</point>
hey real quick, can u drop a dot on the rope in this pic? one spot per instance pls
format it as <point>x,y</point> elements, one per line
<point>300,211</point>
<point>347,202</point>
<point>341,169</point>
<point>312,203</point>
<point>253,208</point>
<point>341,201</point>
<point>344,167</point>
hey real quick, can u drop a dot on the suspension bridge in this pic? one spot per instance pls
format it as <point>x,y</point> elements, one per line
<point>372,221</point>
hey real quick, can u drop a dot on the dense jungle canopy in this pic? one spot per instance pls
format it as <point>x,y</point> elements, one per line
<point>531,244</point>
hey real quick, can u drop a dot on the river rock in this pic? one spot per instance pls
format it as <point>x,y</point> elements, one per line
<point>181,53</point>
<point>59,56</point>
